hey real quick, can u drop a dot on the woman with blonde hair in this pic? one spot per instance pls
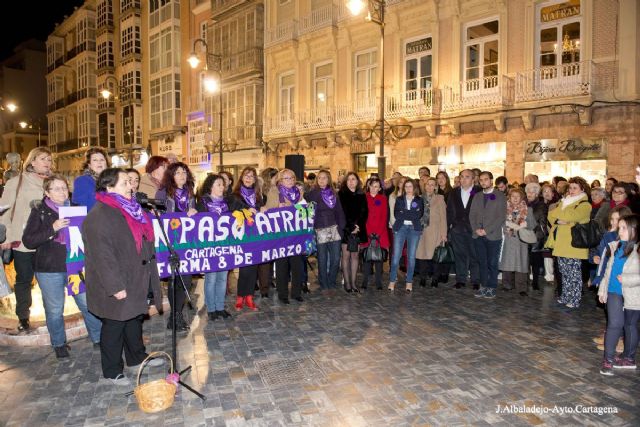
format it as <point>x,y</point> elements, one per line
<point>17,196</point>
<point>285,193</point>
<point>434,233</point>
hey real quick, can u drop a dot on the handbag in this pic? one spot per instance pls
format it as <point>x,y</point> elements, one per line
<point>353,242</point>
<point>327,234</point>
<point>374,253</point>
<point>443,254</point>
<point>527,236</point>
<point>586,236</point>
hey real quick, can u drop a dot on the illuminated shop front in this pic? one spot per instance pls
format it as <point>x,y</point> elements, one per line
<point>585,157</point>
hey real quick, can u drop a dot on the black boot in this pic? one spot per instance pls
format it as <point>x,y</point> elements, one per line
<point>423,282</point>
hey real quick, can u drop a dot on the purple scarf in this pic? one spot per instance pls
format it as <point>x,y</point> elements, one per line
<point>51,204</point>
<point>216,204</point>
<point>249,195</point>
<point>130,206</point>
<point>328,196</point>
<point>289,194</point>
<point>181,197</point>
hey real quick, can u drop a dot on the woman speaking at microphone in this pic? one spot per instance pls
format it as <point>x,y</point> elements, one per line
<point>177,192</point>
<point>120,265</point>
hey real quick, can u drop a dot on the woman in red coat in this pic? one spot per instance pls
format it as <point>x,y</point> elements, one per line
<point>377,223</point>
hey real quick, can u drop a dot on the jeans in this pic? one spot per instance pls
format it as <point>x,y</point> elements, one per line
<point>23,263</point>
<point>615,325</point>
<point>412,237</point>
<point>631,318</point>
<point>215,289</point>
<point>328,264</point>
<point>488,256</point>
<point>52,286</point>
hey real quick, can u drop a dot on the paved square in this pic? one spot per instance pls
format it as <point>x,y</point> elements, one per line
<point>433,357</point>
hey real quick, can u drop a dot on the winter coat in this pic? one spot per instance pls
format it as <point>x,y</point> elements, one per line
<point>540,212</point>
<point>377,219</point>
<point>31,188</point>
<point>84,191</point>
<point>113,264</point>
<point>457,214</point>
<point>559,239</point>
<point>436,231</point>
<point>273,199</point>
<point>51,256</point>
<point>147,186</point>
<point>354,205</point>
<point>488,215</point>
<point>324,215</point>
<point>630,278</point>
<point>515,253</point>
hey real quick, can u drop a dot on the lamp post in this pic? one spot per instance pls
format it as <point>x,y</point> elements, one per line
<point>401,128</point>
<point>106,94</point>
<point>212,83</point>
<point>29,125</point>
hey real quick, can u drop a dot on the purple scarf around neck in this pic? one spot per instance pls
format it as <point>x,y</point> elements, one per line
<point>249,195</point>
<point>328,196</point>
<point>181,197</point>
<point>130,206</point>
<point>216,204</point>
<point>289,194</point>
<point>56,208</point>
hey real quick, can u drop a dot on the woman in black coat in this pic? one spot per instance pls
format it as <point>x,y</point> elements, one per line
<point>354,204</point>
<point>120,267</point>
<point>178,193</point>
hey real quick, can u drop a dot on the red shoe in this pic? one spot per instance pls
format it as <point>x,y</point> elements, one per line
<point>239,303</point>
<point>249,301</point>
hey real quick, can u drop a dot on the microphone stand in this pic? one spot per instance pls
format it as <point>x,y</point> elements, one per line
<point>174,262</point>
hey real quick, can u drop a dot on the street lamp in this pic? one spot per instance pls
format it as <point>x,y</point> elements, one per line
<point>401,127</point>
<point>29,125</point>
<point>212,82</point>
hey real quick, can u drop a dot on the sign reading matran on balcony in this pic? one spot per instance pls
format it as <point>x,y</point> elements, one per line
<point>418,46</point>
<point>560,11</point>
<point>565,149</point>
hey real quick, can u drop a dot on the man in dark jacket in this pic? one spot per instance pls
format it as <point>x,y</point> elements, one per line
<point>460,232</point>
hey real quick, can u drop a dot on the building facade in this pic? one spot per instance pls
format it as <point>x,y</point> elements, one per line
<point>514,87</point>
<point>234,35</point>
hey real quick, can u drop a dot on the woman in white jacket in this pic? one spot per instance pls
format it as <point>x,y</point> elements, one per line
<point>620,290</point>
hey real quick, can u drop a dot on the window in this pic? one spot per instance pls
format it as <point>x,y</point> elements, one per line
<point>130,40</point>
<point>164,100</point>
<point>418,67</point>
<point>105,54</point>
<point>481,55</point>
<point>559,37</point>
<point>287,95</point>
<point>105,13</point>
<point>126,4</point>
<point>323,86</point>
<point>366,67</point>
<point>131,86</point>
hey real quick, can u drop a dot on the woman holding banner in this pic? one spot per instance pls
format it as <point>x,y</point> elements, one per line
<point>44,234</point>
<point>285,193</point>
<point>247,195</point>
<point>120,265</point>
<point>329,224</point>
<point>215,283</point>
<point>178,193</point>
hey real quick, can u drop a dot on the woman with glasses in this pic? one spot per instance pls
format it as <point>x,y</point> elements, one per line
<point>247,195</point>
<point>285,193</point>
<point>178,193</point>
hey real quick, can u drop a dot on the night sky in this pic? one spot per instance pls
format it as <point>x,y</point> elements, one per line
<point>22,22</point>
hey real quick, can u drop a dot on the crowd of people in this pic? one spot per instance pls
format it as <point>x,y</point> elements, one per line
<point>474,227</point>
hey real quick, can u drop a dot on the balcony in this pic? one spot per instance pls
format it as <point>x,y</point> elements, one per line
<point>417,104</point>
<point>251,60</point>
<point>219,7</point>
<point>57,63</point>
<point>320,18</point>
<point>566,80</point>
<point>287,31</point>
<point>488,92</point>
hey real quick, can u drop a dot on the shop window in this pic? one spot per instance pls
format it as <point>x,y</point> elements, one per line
<point>481,55</point>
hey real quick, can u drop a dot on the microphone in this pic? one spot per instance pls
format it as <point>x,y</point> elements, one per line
<point>148,203</point>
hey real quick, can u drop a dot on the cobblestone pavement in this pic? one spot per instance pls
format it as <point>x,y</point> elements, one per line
<point>433,357</point>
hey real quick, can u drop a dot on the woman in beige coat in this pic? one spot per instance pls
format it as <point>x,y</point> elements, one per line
<point>434,234</point>
<point>18,194</point>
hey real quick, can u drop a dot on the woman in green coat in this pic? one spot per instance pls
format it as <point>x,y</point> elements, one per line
<point>574,208</point>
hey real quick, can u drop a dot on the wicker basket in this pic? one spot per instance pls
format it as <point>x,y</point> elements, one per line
<point>158,395</point>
